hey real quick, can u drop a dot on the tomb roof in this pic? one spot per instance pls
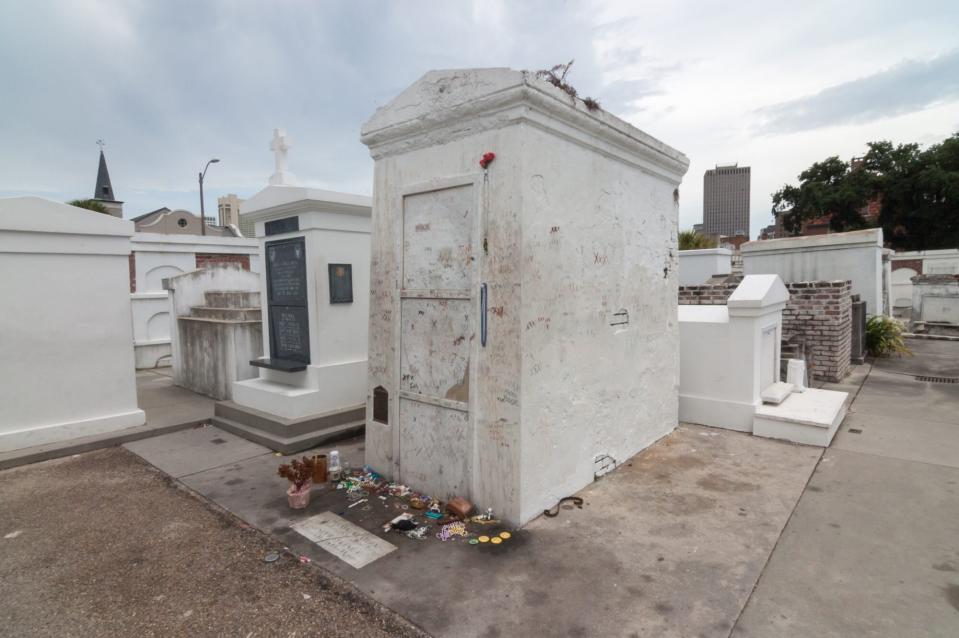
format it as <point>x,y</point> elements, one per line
<point>447,104</point>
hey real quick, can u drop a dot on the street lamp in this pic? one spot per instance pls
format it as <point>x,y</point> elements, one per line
<point>202,210</point>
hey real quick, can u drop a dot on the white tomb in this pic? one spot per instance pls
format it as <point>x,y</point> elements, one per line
<point>315,256</point>
<point>698,266</point>
<point>66,342</point>
<point>523,317</point>
<point>730,370</point>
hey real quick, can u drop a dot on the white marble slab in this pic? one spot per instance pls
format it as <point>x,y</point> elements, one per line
<point>348,542</point>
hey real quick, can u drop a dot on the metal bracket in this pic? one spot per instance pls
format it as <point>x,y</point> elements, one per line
<point>483,306</point>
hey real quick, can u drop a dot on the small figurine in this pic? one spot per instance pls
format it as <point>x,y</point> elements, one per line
<point>489,514</point>
<point>434,510</point>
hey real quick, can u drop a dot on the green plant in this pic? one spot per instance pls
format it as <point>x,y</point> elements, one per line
<point>691,240</point>
<point>89,204</point>
<point>884,336</point>
<point>298,472</point>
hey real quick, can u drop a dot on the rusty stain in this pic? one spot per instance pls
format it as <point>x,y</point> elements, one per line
<point>461,391</point>
<point>499,311</point>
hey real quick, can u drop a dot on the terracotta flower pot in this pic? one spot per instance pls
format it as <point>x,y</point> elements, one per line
<point>298,499</point>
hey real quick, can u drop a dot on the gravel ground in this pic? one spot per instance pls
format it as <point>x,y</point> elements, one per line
<point>101,544</point>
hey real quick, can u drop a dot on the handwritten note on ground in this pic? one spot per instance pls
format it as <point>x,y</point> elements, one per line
<point>348,542</point>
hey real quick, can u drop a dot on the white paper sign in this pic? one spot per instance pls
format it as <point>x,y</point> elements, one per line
<point>348,542</point>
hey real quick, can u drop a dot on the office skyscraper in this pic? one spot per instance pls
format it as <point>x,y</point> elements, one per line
<point>726,200</point>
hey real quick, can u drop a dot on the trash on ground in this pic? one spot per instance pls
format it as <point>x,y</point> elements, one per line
<point>575,500</point>
<point>459,506</point>
<point>272,557</point>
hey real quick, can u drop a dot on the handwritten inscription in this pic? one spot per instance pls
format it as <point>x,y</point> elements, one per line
<point>348,542</point>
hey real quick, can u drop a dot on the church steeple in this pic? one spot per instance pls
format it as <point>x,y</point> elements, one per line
<point>104,189</point>
<point>103,192</point>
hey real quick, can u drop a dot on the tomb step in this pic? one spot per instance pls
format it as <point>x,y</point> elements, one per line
<point>284,427</point>
<point>776,393</point>
<point>811,417</point>
<point>232,299</point>
<point>232,314</point>
<point>290,444</point>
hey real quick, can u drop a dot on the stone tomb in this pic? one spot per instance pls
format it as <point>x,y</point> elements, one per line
<point>523,331</point>
<point>66,343</point>
<point>311,386</point>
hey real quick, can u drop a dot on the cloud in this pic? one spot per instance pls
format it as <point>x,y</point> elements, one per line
<point>909,86</point>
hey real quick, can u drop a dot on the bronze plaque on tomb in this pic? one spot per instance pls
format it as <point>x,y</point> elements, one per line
<point>341,283</point>
<point>287,312</point>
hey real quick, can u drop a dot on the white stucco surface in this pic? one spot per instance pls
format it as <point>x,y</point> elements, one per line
<point>159,256</point>
<point>730,354</point>
<point>935,299</point>
<point>855,255</point>
<point>934,262</point>
<point>336,228</point>
<point>697,266</point>
<point>66,344</point>
<point>573,232</point>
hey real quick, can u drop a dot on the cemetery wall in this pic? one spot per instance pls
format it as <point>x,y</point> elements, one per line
<point>156,256</point>
<point>818,314</point>
<point>856,256</point>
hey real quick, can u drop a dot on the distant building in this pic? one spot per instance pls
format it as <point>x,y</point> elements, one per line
<point>229,211</point>
<point>177,222</point>
<point>698,228</point>
<point>103,191</point>
<point>726,200</point>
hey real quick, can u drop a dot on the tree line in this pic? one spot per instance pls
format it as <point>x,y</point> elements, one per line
<point>918,190</point>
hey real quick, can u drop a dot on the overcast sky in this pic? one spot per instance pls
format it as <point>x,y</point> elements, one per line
<point>169,84</point>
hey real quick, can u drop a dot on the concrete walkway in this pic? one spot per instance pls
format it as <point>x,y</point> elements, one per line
<point>707,533</point>
<point>872,548</point>
<point>168,408</point>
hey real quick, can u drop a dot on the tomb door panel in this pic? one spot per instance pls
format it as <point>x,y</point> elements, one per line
<point>436,336</point>
<point>769,358</point>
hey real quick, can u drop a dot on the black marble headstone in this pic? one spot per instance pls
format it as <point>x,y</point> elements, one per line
<point>289,320</point>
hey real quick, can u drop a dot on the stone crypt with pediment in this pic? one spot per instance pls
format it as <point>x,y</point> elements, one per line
<point>523,317</point>
<point>315,250</point>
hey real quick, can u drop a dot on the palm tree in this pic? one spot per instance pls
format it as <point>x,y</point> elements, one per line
<point>691,240</point>
<point>89,204</point>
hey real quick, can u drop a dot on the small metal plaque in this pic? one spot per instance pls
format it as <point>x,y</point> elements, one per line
<point>341,283</point>
<point>280,226</point>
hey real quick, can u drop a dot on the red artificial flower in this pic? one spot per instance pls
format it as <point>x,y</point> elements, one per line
<point>487,159</point>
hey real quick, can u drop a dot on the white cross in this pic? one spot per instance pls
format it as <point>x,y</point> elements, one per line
<point>280,145</point>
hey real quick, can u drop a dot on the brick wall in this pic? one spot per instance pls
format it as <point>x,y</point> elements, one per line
<point>818,315</point>
<point>915,264</point>
<point>133,273</point>
<point>205,259</point>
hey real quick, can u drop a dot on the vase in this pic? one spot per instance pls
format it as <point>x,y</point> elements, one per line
<point>319,469</point>
<point>298,499</point>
